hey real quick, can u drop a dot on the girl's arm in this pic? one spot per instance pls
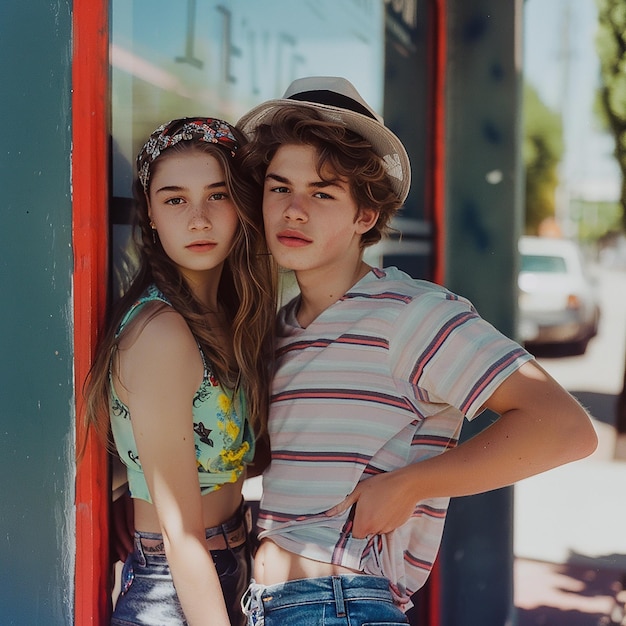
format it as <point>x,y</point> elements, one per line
<point>161,370</point>
<point>541,426</point>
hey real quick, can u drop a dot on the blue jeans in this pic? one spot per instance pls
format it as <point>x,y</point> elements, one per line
<point>148,597</point>
<point>354,600</point>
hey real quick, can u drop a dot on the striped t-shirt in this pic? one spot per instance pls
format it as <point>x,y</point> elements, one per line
<point>381,379</point>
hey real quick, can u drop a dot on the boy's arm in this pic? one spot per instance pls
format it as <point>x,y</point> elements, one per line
<point>541,426</point>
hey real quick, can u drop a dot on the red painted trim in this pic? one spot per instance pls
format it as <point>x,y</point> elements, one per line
<point>436,192</point>
<point>435,595</point>
<point>90,97</point>
<point>438,37</point>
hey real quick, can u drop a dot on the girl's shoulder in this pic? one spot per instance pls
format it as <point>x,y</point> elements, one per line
<point>152,320</point>
<point>158,349</point>
<point>151,301</point>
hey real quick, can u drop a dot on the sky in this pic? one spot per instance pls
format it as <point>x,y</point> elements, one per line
<point>561,63</point>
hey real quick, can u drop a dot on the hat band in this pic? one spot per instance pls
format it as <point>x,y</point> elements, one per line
<point>331,98</point>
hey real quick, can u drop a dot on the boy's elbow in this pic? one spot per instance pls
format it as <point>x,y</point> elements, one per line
<point>583,441</point>
<point>591,442</point>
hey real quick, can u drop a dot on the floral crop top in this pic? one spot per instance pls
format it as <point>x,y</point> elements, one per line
<point>223,438</point>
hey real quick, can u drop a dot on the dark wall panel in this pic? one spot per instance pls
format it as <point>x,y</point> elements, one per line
<point>483,219</point>
<point>36,378</point>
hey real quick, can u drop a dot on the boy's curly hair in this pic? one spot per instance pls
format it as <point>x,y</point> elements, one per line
<point>340,151</point>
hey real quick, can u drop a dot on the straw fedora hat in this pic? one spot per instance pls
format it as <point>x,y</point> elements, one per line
<point>339,101</point>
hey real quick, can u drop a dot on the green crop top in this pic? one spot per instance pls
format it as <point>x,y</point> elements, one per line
<point>223,438</point>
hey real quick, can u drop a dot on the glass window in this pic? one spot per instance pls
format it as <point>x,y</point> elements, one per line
<point>544,264</point>
<point>209,58</point>
<point>206,57</point>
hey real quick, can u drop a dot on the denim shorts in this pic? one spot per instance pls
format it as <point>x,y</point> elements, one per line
<point>354,600</point>
<point>148,597</point>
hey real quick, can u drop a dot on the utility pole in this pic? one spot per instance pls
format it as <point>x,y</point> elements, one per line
<point>562,197</point>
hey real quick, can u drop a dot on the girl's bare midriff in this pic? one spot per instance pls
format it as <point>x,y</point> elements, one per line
<point>273,565</point>
<point>217,507</point>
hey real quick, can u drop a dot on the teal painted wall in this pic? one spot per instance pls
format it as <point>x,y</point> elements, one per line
<point>483,218</point>
<point>36,357</point>
<point>484,168</point>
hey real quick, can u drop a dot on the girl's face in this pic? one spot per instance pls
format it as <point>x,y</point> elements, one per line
<point>195,218</point>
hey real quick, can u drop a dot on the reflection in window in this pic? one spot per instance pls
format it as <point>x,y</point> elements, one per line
<point>543,264</point>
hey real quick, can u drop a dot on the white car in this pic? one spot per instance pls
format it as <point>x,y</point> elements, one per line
<point>558,303</point>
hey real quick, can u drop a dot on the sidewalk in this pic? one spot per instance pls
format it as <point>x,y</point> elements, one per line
<point>570,541</point>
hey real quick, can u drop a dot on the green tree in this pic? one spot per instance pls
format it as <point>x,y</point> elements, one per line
<point>542,151</point>
<point>611,47</point>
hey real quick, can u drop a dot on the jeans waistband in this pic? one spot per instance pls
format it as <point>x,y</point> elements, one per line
<point>337,589</point>
<point>231,534</point>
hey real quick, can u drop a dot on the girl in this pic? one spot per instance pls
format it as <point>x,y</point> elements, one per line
<point>181,375</point>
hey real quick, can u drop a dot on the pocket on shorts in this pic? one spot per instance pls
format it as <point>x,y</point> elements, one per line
<point>227,562</point>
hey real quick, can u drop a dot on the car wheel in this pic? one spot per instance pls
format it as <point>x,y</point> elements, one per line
<point>596,324</point>
<point>579,347</point>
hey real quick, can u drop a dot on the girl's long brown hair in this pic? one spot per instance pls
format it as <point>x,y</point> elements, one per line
<point>247,294</point>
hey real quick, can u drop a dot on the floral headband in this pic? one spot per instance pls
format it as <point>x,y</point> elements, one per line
<point>167,135</point>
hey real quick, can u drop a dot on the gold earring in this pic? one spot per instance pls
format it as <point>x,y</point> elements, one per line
<point>153,231</point>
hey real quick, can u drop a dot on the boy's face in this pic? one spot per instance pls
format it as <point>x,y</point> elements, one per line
<point>310,223</point>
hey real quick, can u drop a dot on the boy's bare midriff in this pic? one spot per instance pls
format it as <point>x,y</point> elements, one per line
<point>273,565</point>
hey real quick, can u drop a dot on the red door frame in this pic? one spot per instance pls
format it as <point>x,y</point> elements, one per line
<point>430,612</point>
<point>436,182</point>
<point>90,123</point>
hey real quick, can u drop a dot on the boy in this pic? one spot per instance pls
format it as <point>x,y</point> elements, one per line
<point>375,372</point>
